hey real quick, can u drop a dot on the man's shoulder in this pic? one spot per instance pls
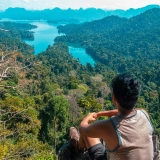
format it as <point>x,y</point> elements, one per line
<point>143,110</point>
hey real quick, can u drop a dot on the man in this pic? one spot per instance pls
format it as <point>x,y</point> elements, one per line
<point>128,131</point>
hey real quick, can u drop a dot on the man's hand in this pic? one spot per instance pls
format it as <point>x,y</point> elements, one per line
<point>91,117</point>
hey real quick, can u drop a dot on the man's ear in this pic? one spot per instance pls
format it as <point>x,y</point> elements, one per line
<point>114,100</point>
<point>113,97</point>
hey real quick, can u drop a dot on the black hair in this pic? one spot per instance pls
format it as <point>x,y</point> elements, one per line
<point>126,90</point>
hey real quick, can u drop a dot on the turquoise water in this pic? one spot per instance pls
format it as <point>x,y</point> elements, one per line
<point>45,34</point>
<point>81,55</point>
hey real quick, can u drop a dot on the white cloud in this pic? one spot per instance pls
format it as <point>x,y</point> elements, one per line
<point>110,4</point>
<point>26,1</point>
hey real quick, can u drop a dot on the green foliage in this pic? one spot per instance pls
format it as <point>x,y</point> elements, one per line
<point>38,106</point>
<point>89,104</point>
<point>19,126</point>
<point>54,119</point>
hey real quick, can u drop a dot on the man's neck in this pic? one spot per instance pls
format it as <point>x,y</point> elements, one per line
<point>126,113</point>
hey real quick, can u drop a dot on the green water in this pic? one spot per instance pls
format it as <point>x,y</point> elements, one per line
<point>45,34</point>
<point>81,55</point>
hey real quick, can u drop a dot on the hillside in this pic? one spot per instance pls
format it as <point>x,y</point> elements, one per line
<point>70,15</point>
<point>128,36</point>
<point>95,27</point>
<point>43,95</point>
<point>132,12</point>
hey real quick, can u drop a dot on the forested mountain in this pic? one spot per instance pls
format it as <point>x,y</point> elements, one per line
<point>127,37</point>
<point>93,28</point>
<point>43,95</point>
<point>112,25</point>
<point>70,15</point>
<point>11,34</point>
<point>131,12</point>
<point>17,30</point>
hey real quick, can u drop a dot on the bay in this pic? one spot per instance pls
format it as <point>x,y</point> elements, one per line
<point>45,34</point>
<point>81,55</point>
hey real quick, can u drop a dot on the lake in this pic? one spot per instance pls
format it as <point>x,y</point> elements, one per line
<point>45,34</point>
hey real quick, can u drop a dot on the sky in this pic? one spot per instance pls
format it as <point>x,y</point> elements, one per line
<point>76,4</point>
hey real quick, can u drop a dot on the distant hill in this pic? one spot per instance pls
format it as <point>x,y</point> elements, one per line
<point>95,27</point>
<point>136,37</point>
<point>132,12</point>
<point>148,20</point>
<point>79,15</point>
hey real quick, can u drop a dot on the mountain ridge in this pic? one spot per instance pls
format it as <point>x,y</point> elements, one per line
<point>88,14</point>
<point>138,36</point>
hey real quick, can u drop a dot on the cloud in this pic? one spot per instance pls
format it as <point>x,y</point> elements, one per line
<point>42,4</point>
<point>26,1</point>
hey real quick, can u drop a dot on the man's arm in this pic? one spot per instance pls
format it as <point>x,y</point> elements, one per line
<point>109,113</point>
<point>96,129</point>
<point>93,130</point>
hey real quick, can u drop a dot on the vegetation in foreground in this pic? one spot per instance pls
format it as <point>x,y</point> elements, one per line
<point>42,96</point>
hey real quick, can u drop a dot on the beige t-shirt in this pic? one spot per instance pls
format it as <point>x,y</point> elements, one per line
<point>135,137</point>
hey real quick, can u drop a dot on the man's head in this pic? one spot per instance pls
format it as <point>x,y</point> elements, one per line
<point>126,90</point>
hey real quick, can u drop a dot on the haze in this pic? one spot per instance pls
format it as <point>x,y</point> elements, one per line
<point>76,4</point>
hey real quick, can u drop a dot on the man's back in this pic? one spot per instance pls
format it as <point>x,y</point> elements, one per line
<point>135,137</point>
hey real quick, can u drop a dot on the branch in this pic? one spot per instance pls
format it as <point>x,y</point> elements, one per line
<point>13,87</point>
<point>2,137</point>
<point>2,58</point>
<point>26,66</point>
<point>16,113</point>
<point>19,154</point>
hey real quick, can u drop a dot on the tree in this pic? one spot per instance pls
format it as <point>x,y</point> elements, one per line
<point>19,127</point>
<point>54,119</point>
<point>9,64</point>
